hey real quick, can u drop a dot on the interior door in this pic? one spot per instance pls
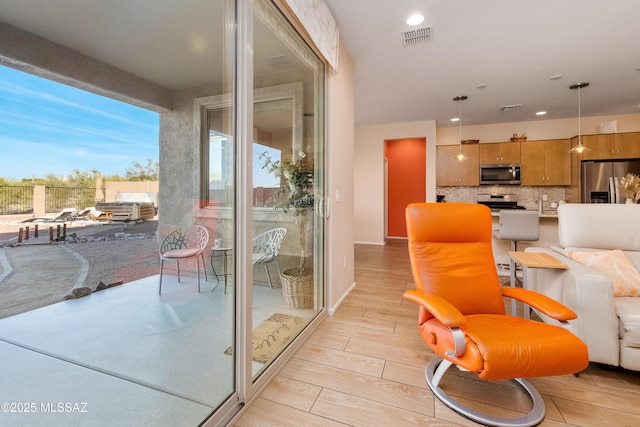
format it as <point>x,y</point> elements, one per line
<point>406,180</point>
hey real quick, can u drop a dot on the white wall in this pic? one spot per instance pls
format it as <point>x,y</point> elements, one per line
<point>340,152</point>
<point>536,130</point>
<point>368,169</point>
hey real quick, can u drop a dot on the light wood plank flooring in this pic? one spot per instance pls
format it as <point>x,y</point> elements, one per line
<point>364,366</point>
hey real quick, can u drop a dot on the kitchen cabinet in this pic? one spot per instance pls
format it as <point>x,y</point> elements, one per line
<point>628,145</point>
<point>500,153</point>
<point>611,146</point>
<point>452,172</point>
<point>598,147</point>
<point>546,162</point>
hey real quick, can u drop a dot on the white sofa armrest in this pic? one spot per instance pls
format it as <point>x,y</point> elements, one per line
<point>590,295</point>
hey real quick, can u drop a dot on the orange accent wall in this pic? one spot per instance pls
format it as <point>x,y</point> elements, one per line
<point>406,180</point>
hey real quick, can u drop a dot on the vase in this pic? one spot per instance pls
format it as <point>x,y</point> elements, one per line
<point>297,287</point>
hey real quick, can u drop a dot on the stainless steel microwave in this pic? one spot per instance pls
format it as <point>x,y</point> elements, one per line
<point>508,174</point>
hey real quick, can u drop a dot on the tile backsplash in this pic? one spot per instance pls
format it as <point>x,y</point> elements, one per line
<point>527,196</point>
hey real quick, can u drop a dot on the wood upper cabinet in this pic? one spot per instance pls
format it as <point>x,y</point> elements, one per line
<point>453,172</point>
<point>500,153</point>
<point>546,162</point>
<point>598,147</point>
<point>611,146</point>
<point>628,145</point>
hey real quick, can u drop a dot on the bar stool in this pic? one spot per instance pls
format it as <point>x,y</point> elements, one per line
<point>517,225</point>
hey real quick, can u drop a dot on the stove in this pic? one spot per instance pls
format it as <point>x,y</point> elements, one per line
<point>498,202</point>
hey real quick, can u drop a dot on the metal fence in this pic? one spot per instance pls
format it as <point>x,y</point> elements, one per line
<point>58,198</point>
<point>16,200</point>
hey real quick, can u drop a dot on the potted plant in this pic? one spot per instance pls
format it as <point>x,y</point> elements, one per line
<point>295,196</point>
<point>630,186</point>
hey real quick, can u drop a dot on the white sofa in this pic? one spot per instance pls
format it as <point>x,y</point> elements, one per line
<point>609,325</point>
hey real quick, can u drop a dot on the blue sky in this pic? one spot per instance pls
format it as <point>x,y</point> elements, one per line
<point>47,127</point>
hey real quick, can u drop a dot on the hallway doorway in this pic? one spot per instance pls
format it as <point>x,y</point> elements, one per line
<point>405,181</point>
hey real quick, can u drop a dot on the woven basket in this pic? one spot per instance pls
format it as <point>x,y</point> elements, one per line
<point>297,289</point>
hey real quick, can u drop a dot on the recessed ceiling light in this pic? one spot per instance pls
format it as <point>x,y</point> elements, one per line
<point>556,77</point>
<point>415,19</point>
<point>541,113</point>
<point>455,119</point>
<point>511,107</point>
<point>481,86</point>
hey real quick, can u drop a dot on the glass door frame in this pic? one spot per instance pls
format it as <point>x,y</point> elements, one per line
<point>248,388</point>
<point>245,91</point>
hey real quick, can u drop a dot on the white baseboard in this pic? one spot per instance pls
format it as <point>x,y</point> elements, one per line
<point>332,310</point>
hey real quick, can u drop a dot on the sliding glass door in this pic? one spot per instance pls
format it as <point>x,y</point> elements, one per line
<point>288,185</point>
<point>259,125</point>
<point>240,99</point>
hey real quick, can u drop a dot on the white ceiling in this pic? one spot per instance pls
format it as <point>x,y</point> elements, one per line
<point>513,47</point>
<point>171,43</point>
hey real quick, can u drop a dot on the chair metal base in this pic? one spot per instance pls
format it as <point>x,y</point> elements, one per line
<point>177,261</point>
<point>434,373</point>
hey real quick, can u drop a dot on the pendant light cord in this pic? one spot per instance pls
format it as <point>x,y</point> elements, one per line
<point>579,119</point>
<point>459,99</point>
<point>579,148</point>
<point>460,122</point>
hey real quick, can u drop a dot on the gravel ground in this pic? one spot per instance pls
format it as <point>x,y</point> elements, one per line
<point>127,260</point>
<point>110,261</point>
<point>115,260</point>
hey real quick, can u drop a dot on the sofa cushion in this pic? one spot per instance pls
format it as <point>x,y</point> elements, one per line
<point>616,266</point>
<point>634,257</point>
<point>599,225</point>
<point>628,310</point>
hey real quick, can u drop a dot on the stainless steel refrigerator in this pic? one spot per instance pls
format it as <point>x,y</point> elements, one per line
<point>601,179</point>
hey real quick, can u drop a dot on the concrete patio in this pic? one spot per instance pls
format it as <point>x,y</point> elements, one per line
<point>125,355</point>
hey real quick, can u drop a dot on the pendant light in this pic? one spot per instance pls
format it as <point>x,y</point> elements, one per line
<point>579,148</point>
<point>459,100</point>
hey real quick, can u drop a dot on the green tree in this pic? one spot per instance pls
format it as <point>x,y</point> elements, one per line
<point>82,179</point>
<point>76,178</point>
<point>140,172</point>
<point>87,178</point>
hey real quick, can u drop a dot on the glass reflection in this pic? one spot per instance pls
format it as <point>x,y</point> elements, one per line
<point>288,141</point>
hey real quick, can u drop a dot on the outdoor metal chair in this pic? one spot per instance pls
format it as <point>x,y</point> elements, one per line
<point>184,243</point>
<point>266,247</point>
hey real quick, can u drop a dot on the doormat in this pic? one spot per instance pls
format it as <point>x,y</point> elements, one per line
<point>272,335</point>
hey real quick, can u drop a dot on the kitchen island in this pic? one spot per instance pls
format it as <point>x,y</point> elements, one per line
<point>548,237</point>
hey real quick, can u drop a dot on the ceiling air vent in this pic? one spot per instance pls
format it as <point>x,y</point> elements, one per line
<point>280,62</point>
<point>416,36</point>
<point>511,107</point>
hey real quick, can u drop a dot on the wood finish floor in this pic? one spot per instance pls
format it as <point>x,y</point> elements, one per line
<point>364,366</point>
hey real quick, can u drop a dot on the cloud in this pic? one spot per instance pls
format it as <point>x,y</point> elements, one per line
<point>41,99</point>
<point>47,127</point>
<point>44,158</point>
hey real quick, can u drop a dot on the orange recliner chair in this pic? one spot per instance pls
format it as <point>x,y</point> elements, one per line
<point>462,314</point>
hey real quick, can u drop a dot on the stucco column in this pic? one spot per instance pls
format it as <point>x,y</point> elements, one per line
<point>39,200</point>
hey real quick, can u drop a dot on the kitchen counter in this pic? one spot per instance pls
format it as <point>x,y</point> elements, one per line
<point>548,237</point>
<point>550,213</point>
